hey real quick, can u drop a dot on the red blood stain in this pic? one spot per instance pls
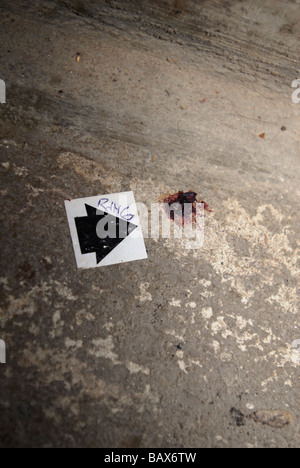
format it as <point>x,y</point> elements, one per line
<point>179,199</point>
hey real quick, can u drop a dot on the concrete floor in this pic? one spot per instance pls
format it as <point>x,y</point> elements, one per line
<point>181,349</point>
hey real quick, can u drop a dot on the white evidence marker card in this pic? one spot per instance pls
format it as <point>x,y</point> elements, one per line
<point>105,230</point>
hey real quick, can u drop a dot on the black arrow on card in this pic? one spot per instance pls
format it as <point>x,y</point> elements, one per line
<point>101,232</point>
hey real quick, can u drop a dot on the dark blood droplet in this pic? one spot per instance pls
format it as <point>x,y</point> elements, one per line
<point>178,201</point>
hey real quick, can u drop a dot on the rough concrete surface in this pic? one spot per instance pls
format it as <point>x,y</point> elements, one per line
<point>190,348</point>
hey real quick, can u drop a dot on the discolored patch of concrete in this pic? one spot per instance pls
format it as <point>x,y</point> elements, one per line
<point>277,419</point>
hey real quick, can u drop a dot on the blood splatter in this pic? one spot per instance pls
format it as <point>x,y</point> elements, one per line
<point>178,201</point>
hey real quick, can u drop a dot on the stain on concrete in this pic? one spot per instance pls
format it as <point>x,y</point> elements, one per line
<point>92,357</point>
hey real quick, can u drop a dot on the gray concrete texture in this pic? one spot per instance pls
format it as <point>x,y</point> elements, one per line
<point>190,348</point>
